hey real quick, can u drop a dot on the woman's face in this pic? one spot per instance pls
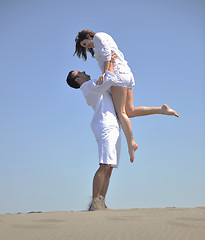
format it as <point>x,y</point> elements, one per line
<point>87,43</point>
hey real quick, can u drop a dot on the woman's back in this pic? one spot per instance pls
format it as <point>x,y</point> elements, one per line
<point>104,45</point>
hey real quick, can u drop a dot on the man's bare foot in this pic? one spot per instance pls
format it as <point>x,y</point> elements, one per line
<point>166,110</point>
<point>132,150</point>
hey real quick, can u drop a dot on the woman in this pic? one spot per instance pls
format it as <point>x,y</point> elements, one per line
<point>122,93</point>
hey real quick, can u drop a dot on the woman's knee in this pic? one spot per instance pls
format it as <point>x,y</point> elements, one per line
<point>120,112</point>
<point>129,112</point>
<point>129,107</point>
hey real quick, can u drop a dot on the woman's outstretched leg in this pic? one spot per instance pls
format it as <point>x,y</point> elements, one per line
<point>144,111</point>
<point>119,95</point>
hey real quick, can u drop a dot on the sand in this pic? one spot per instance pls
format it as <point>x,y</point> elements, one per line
<point>141,224</point>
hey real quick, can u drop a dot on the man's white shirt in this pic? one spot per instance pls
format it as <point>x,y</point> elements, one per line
<point>100,99</point>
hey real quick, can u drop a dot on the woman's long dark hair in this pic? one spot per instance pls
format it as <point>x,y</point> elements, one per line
<point>82,51</point>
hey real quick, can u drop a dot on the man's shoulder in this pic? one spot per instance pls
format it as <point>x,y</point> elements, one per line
<point>86,86</point>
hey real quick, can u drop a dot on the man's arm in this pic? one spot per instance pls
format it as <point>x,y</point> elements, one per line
<point>109,80</point>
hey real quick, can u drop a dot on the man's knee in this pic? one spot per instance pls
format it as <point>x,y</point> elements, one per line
<point>105,167</point>
<point>110,172</point>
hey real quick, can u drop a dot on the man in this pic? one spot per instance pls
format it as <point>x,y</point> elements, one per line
<point>105,126</point>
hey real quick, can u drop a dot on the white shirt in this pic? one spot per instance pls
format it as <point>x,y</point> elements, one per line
<point>104,45</point>
<point>100,99</point>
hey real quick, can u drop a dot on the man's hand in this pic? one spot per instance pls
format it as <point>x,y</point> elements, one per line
<point>100,80</point>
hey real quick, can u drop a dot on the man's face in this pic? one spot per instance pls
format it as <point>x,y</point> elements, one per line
<point>82,76</point>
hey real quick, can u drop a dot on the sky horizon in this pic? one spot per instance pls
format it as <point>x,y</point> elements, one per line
<point>48,153</point>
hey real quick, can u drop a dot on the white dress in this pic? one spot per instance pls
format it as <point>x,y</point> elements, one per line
<point>104,46</point>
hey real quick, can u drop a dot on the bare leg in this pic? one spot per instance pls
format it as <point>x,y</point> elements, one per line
<point>105,187</point>
<point>106,183</point>
<point>119,95</point>
<point>144,111</point>
<point>99,178</point>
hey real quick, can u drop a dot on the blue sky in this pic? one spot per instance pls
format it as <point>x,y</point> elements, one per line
<point>48,154</point>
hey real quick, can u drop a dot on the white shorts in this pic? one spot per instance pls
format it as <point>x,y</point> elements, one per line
<point>124,76</point>
<point>109,145</point>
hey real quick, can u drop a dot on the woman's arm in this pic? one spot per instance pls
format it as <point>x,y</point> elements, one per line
<point>108,66</point>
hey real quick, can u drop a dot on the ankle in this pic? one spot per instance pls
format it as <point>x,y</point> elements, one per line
<point>132,144</point>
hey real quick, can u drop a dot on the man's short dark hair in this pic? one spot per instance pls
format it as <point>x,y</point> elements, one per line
<point>71,80</point>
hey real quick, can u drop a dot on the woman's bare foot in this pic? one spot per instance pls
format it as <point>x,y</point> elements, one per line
<point>132,150</point>
<point>166,110</point>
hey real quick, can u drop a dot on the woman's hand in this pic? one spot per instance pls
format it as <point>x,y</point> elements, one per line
<point>113,57</point>
<point>100,80</point>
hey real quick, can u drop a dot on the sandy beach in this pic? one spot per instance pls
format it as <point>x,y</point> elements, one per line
<point>142,224</point>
